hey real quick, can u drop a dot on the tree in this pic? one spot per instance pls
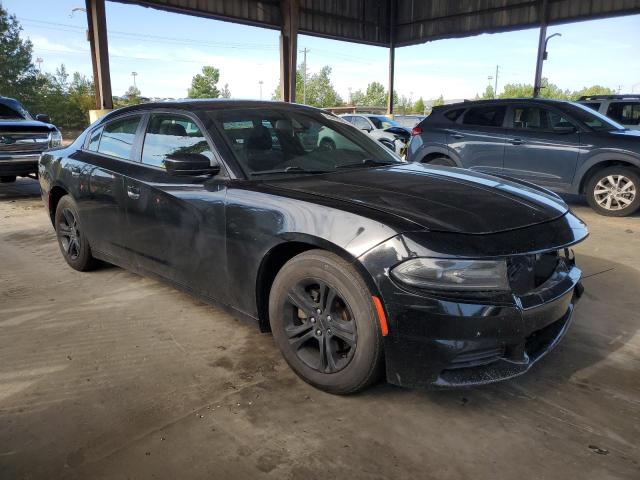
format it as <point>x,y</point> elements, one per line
<point>204,85</point>
<point>320,91</point>
<point>133,95</point>
<point>593,90</point>
<point>404,104</point>
<point>437,101</point>
<point>16,67</point>
<point>488,93</point>
<point>419,107</point>
<point>225,92</point>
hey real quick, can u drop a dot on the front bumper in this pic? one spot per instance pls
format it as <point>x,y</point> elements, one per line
<point>18,164</point>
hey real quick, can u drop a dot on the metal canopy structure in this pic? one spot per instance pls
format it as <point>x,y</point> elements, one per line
<point>385,23</point>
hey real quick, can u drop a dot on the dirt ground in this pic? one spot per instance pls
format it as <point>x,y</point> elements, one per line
<point>111,375</point>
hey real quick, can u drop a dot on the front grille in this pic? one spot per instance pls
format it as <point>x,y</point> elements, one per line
<point>528,272</point>
<point>23,142</point>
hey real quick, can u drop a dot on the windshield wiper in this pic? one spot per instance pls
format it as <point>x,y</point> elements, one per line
<point>367,161</point>
<point>287,170</point>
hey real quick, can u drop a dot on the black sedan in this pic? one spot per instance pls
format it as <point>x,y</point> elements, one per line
<point>356,261</point>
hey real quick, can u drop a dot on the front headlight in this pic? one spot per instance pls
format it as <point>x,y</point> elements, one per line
<point>56,139</point>
<point>452,274</point>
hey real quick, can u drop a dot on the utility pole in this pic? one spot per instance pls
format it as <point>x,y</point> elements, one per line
<point>134,75</point>
<point>260,83</point>
<point>39,61</point>
<point>495,88</point>
<point>304,52</point>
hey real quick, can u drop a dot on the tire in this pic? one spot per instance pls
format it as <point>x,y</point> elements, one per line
<point>327,144</point>
<point>8,179</point>
<point>614,191</point>
<point>71,239</point>
<point>348,327</point>
<point>443,161</point>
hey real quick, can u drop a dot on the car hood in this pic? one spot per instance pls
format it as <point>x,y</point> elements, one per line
<point>436,198</point>
<point>29,126</point>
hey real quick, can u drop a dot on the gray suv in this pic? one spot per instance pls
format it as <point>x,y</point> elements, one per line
<point>563,146</point>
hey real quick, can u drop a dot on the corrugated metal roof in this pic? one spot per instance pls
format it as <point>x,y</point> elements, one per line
<point>416,21</point>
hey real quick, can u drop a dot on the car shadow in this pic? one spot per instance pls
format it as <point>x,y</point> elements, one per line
<point>22,188</point>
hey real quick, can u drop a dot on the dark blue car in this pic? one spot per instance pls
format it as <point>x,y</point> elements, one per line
<point>563,146</point>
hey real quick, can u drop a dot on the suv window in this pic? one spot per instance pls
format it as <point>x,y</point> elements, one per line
<point>94,140</point>
<point>537,118</point>
<point>453,115</point>
<point>361,123</point>
<point>119,136</point>
<point>627,113</point>
<point>485,116</point>
<point>168,134</point>
<point>595,106</point>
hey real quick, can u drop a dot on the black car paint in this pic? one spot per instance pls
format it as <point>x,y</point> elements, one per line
<point>219,237</point>
<point>561,162</point>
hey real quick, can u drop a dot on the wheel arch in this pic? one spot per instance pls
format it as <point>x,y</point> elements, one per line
<point>55,194</point>
<point>601,165</point>
<point>284,251</point>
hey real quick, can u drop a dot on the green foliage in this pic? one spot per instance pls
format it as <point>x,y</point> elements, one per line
<point>225,92</point>
<point>550,90</point>
<point>488,93</point>
<point>403,105</point>
<point>319,90</point>
<point>438,101</point>
<point>593,90</point>
<point>419,106</point>
<point>16,68</point>
<point>205,85</point>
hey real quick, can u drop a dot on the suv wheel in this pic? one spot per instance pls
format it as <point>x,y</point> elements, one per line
<point>444,161</point>
<point>614,191</point>
<point>324,323</point>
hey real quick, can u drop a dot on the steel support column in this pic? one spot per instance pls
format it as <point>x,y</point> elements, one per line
<point>392,53</point>
<point>537,84</point>
<point>288,49</point>
<point>97,22</point>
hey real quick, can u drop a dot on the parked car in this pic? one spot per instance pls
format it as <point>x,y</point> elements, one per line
<point>624,109</point>
<point>563,146</point>
<point>22,140</point>
<point>355,260</point>
<point>388,132</point>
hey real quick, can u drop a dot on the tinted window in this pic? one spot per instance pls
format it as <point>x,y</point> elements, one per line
<point>595,106</point>
<point>627,113</point>
<point>361,123</point>
<point>9,113</point>
<point>485,116</point>
<point>94,140</point>
<point>119,136</point>
<point>453,115</point>
<point>288,141</point>
<point>537,118</point>
<point>595,120</point>
<point>383,122</point>
<point>169,134</point>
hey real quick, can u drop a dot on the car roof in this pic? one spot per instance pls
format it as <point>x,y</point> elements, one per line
<point>208,104</point>
<point>473,103</point>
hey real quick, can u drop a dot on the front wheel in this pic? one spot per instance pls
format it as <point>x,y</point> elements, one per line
<point>71,238</point>
<point>614,191</point>
<point>324,323</point>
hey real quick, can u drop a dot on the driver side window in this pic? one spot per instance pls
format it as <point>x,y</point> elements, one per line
<point>538,119</point>
<point>361,123</point>
<point>169,134</point>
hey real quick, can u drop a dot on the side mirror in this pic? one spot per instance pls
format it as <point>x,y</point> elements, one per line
<point>367,129</point>
<point>190,164</point>
<point>41,117</point>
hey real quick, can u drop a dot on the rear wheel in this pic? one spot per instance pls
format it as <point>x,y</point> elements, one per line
<point>71,238</point>
<point>614,191</point>
<point>323,321</point>
<point>8,179</point>
<point>443,161</point>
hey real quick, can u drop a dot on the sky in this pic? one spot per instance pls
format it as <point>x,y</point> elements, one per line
<point>167,49</point>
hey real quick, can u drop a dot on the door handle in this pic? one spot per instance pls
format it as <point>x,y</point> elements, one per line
<point>516,141</point>
<point>133,192</point>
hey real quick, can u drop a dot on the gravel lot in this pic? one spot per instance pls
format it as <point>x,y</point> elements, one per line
<point>111,375</point>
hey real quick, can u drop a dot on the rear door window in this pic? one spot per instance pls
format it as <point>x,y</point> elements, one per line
<point>627,113</point>
<point>492,116</point>
<point>118,137</point>
<point>538,118</point>
<point>169,134</point>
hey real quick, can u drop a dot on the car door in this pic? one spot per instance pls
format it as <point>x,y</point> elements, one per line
<point>477,138</point>
<point>176,224</point>
<point>102,164</point>
<point>542,146</point>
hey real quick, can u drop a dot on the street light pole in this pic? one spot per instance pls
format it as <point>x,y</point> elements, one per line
<point>541,58</point>
<point>304,52</point>
<point>134,75</point>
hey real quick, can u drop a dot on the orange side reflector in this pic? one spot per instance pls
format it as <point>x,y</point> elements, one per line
<point>382,318</point>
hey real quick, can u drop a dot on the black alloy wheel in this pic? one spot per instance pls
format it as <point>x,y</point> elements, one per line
<point>324,322</point>
<point>319,326</point>
<point>72,241</point>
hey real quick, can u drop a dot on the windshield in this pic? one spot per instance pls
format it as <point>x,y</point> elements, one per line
<point>278,141</point>
<point>384,122</point>
<point>593,119</point>
<point>13,111</point>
